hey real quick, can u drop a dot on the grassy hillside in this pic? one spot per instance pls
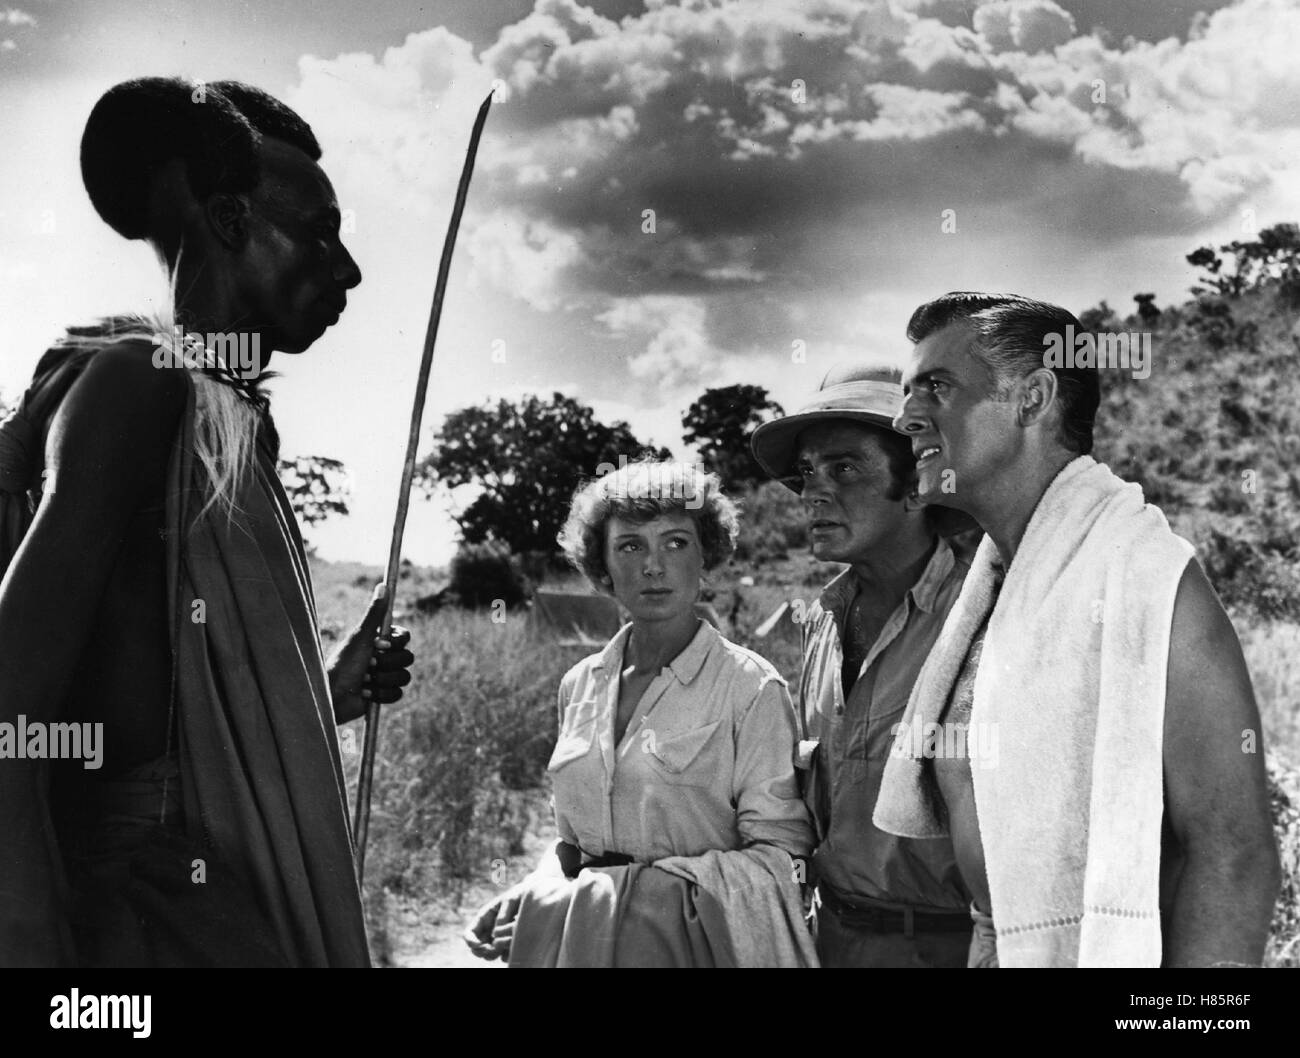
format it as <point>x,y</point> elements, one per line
<point>1213,437</point>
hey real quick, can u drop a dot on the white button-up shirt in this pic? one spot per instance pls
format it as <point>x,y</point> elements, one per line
<point>706,761</point>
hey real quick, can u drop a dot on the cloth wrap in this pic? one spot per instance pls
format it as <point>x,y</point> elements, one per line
<point>739,908</point>
<point>1072,678</point>
<point>262,786</point>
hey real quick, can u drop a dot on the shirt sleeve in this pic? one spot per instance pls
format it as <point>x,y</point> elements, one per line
<point>768,806</point>
<point>562,826</point>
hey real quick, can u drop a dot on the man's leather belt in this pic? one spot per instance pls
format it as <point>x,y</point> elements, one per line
<point>882,917</point>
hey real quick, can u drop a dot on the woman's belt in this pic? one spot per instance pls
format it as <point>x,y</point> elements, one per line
<point>607,859</point>
<point>879,916</point>
<point>573,859</point>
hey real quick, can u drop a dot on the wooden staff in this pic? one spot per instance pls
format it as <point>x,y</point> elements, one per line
<point>361,823</point>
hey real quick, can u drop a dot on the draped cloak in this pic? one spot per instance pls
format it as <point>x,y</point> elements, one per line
<point>261,781</point>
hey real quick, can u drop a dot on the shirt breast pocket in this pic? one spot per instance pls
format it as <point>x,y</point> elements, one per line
<point>680,760</point>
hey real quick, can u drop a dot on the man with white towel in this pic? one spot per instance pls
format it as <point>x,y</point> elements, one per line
<point>1124,821</point>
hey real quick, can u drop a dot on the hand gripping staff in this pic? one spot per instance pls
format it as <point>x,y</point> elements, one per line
<point>361,824</point>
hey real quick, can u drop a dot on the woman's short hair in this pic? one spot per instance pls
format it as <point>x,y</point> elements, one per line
<point>641,492</point>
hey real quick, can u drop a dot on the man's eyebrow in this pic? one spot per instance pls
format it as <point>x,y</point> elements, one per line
<point>827,457</point>
<point>940,374</point>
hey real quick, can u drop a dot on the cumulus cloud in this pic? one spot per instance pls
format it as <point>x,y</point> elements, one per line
<point>1023,25</point>
<point>523,256</point>
<point>677,354</point>
<point>725,117</point>
<point>796,149</point>
<point>396,122</point>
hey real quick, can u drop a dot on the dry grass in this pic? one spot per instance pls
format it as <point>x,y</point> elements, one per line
<point>460,759</point>
<point>1273,656</point>
<point>1272,651</point>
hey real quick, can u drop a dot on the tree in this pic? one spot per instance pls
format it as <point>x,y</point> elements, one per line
<point>719,424</point>
<point>1098,319</point>
<point>316,487</point>
<point>525,459</point>
<point>1146,309</point>
<point>1272,258</point>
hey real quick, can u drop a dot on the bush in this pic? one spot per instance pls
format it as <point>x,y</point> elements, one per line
<point>483,573</point>
<point>772,524</point>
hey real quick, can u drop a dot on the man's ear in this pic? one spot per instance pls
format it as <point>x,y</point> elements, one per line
<point>227,217</point>
<point>1037,394</point>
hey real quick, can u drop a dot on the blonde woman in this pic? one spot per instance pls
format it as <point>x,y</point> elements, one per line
<point>681,830</point>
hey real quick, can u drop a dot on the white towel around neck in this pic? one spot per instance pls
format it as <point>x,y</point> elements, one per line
<point>1072,680</point>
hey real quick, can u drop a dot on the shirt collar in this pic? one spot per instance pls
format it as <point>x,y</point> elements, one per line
<point>685,666</point>
<point>839,593</point>
<point>925,592</point>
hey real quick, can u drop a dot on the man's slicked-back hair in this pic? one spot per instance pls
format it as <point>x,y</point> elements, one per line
<point>140,125</point>
<point>1010,332</point>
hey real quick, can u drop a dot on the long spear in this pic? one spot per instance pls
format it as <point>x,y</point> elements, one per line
<point>361,824</point>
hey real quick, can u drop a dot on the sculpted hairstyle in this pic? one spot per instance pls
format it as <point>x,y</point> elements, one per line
<point>215,130</point>
<point>640,492</point>
<point>139,125</point>
<point>1010,330</point>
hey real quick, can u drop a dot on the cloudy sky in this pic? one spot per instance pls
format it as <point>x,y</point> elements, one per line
<point>815,168</point>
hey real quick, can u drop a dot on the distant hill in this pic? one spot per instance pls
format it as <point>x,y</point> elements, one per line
<point>1213,435</point>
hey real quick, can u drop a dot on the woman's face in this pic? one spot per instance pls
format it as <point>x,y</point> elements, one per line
<point>654,566</point>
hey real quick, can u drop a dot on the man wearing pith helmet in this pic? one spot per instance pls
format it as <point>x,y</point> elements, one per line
<point>881,900</point>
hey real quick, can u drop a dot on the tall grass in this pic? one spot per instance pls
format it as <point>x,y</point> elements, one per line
<point>459,760</point>
<point>1272,651</point>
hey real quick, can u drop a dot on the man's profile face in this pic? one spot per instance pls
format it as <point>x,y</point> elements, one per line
<point>295,270</point>
<point>961,434</point>
<point>845,488</point>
